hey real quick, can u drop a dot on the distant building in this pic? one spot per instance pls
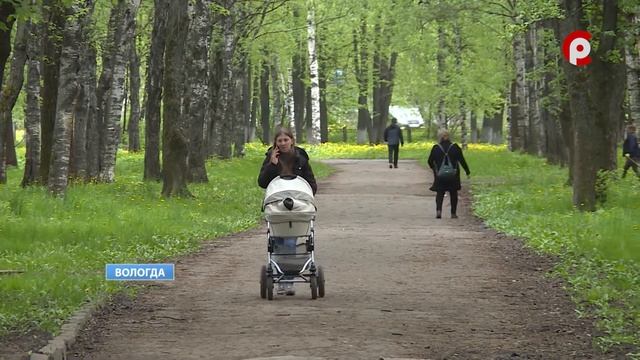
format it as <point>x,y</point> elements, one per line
<point>407,116</point>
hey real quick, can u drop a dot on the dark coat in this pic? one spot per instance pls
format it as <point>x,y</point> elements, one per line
<point>302,168</point>
<point>630,146</point>
<point>436,158</point>
<point>393,135</point>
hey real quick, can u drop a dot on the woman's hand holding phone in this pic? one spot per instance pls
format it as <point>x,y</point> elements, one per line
<point>274,155</point>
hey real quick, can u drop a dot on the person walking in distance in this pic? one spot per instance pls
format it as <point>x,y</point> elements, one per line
<point>445,160</point>
<point>393,138</point>
<point>631,151</point>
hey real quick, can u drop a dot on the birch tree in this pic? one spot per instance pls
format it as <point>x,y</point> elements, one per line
<point>133,128</point>
<point>53,25</point>
<point>32,110</point>
<point>120,32</point>
<point>313,76</point>
<point>68,91</point>
<point>197,98</point>
<point>84,152</point>
<point>632,60</point>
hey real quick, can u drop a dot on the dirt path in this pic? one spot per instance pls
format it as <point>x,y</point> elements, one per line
<point>400,284</point>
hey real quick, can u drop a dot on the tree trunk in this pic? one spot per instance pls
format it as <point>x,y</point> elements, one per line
<point>227,88</point>
<point>536,134</point>
<point>153,88</point>
<point>314,78</point>
<point>441,76</point>
<point>632,59</point>
<point>387,71</point>
<point>249,127</point>
<point>596,93</point>
<point>52,34</point>
<point>216,71</point>
<point>197,98</point>
<point>94,122</point>
<point>276,88</point>
<point>120,28</point>
<point>84,112</point>
<point>496,126</point>
<point>324,111</point>
<point>360,54</point>
<point>298,88</point>
<point>265,110</point>
<point>463,109</point>
<point>473,124</point>
<point>175,143</point>
<point>133,128</point>
<point>7,10</point>
<point>68,91</point>
<point>374,135</point>
<point>8,97</point>
<point>519,96</point>
<point>238,104</point>
<point>255,101</point>
<point>32,110</point>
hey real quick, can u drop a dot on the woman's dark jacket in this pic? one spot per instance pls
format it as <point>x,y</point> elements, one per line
<point>302,168</point>
<point>436,158</point>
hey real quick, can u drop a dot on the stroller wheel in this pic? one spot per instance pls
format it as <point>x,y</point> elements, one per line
<point>269,288</point>
<point>320,275</point>
<point>263,282</point>
<point>313,282</point>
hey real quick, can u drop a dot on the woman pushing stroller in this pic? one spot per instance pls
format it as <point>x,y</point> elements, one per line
<point>287,161</point>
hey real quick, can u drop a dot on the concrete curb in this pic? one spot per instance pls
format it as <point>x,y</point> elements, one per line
<point>57,348</point>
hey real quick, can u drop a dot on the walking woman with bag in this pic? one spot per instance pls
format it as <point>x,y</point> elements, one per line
<point>445,160</point>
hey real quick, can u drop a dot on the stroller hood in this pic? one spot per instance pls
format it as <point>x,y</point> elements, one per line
<point>297,189</point>
<point>289,207</point>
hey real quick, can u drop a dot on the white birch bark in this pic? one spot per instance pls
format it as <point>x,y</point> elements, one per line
<point>68,91</point>
<point>113,110</point>
<point>288,101</point>
<point>632,59</point>
<point>277,93</point>
<point>313,74</point>
<point>197,97</point>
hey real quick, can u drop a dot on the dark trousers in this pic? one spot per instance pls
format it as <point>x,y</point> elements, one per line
<point>631,163</point>
<point>393,154</point>
<point>454,200</point>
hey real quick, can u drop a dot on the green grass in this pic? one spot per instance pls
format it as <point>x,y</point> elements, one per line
<point>62,245</point>
<point>599,252</point>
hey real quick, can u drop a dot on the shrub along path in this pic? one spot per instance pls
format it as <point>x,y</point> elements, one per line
<point>400,283</point>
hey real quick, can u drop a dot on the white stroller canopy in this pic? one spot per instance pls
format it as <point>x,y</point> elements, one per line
<point>296,189</point>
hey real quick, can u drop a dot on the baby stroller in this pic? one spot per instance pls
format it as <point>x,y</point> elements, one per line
<point>290,211</point>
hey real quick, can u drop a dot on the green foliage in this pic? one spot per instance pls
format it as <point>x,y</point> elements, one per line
<point>63,245</point>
